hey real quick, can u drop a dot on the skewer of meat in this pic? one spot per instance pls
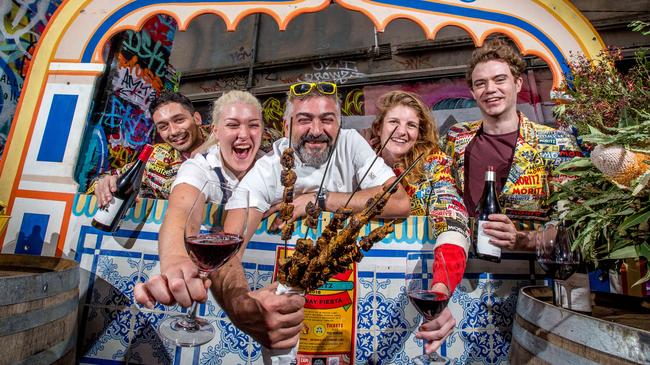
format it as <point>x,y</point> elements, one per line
<point>311,220</point>
<point>334,255</point>
<point>287,179</point>
<point>377,235</point>
<point>332,228</point>
<point>342,250</point>
<point>312,210</point>
<point>393,187</point>
<point>291,269</point>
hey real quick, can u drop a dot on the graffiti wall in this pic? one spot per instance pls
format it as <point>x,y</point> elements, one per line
<point>21,27</point>
<point>120,122</point>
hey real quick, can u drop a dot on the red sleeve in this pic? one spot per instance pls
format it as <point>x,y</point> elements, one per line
<point>455,261</point>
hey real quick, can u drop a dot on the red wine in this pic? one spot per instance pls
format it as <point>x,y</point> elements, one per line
<point>558,270</point>
<point>429,303</point>
<point>128,186</point>
<point>489,204</point>
<point>211,250</point>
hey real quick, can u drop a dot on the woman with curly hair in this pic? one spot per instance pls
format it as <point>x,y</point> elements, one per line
<point>431,188</point>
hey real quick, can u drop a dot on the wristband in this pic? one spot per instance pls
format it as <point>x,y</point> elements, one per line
<point>320,198</point>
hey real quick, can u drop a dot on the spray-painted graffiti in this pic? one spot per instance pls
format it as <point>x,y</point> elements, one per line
<point>135,84</point>
<point>152,45</point>
<point>236,82</point>
<point>139,71</point>
<point>415,63</point>
<point>133,126</point>
<point>22,24</point>
<point>118,152</point>
<point>150,52</point>
<point>353,103</point>
<point>273,111</point>
<point>241,55</point>
<point>338,72</point>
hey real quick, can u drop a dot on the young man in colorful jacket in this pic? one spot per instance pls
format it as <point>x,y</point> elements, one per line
<point>179,126</point>
<point>523,153</point>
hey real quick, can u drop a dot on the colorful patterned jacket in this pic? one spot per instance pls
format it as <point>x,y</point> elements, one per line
<point>538,152</point>
<point>437,193</point>
<point>160,170</point>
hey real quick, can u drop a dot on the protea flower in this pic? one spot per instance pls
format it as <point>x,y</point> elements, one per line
<point>620,165</point>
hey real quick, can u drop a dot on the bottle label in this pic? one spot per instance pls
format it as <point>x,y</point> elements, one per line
<point>106,215</point>
<point>483,245</point>
<point>574,293</point>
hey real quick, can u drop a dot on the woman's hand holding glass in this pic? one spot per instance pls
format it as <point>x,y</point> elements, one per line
<point>430,299</point>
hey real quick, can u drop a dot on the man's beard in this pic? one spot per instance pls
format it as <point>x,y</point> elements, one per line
<point>313,159</point>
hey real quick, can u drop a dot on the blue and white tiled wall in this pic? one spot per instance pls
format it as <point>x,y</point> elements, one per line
<point>114,329</point>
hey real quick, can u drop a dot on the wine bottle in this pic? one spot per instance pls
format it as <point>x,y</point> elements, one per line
<point>128,186</point>
<point>486,206</point>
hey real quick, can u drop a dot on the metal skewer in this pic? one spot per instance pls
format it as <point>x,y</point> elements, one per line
<point>327,166</point>
<point>370,167</point>
<point>397,181</point>
<point>294,165</point>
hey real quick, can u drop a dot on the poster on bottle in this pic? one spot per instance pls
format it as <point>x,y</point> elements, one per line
<point>330,315</point>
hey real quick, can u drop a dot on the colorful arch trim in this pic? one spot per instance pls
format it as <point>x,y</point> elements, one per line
<point>135,5</point>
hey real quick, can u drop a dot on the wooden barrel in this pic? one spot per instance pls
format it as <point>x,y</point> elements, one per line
<point>545,334</point>
<point>38,309</point>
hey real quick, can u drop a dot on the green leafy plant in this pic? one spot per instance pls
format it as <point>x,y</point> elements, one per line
<point>609,211</point>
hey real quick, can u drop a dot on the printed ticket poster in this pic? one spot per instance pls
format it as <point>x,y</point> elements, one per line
<point>330,320</point>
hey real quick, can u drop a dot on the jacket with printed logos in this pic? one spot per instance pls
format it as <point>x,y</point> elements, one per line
<point>538,152</point>
<point>436,196</point>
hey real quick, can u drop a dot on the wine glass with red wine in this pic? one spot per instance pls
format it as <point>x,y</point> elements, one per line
<point>554,252</point>
<point>209,246</point>
<point>428,291</point>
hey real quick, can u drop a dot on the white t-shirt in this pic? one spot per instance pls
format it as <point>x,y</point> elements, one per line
<point>203,168</point>
<point>351,158</point>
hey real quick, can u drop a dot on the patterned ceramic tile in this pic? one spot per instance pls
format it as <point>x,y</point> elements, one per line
<point>385,319</point>
<point>484,347</point>
<point>454,347</point>
<point>217,353</point>
<point>115,276</point>
<point>230,339</point>
<point>106,333</point>
<point>147,347</point>
<point>231,343</point>
<point>484,310</point>
<point>507,293</point>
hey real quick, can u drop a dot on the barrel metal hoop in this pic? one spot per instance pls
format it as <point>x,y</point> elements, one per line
<point>36,318</point>
<point>617,341</point>
<point>545,350</point>
<point>33,287</point>
<point>537,341</point>
<point>52,354</point>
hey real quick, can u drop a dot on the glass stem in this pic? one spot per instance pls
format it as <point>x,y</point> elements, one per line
<point>191,315</point>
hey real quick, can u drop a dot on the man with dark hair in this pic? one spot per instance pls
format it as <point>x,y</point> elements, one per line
<point>179,126</point>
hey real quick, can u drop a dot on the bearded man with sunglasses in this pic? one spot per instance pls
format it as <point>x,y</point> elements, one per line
<point>312,114</point>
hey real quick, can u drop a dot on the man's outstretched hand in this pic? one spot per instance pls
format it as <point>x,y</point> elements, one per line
<point>180,283</point>
<point>273,320</point>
